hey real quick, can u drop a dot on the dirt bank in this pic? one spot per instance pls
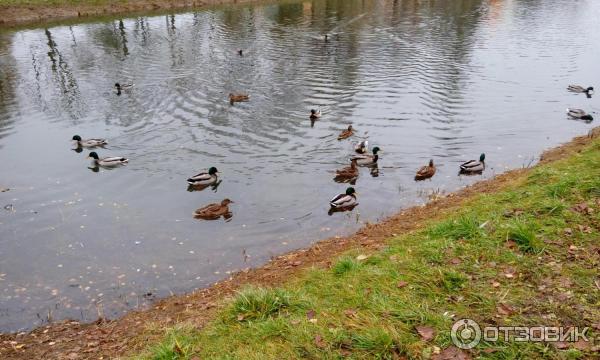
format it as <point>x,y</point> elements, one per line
<point>108,339</point>
<point>40,13</point>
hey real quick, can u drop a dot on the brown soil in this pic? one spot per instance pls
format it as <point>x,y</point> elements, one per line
<point>109,339</point>
<point>16,15</point>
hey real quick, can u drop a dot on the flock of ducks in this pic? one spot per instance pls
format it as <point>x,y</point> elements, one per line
<point>341,202</point>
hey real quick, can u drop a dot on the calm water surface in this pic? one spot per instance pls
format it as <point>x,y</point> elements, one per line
<point>421,79</point>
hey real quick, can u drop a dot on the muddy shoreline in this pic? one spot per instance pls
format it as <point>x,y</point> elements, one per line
<point>73,340</point>
<point>39,14</point>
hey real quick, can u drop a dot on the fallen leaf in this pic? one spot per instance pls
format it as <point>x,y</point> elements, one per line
<point>240,317</point>
<point>311,314</point>
<point>452,353</point>
<point>319,342</point>
<point>582,208</point>
<point>568,231</point>
<point>401,284</point>
<point>504,309</point>
<point>455,261</point>
<point>490,350</point>
<point>295,322</point>
<point>350,312</point>
<point>582,345</point>
<point>561,345</point>
<point>361,257</point>
<point>584,229</point>
<point>427,333</point>
<point>495,284</point>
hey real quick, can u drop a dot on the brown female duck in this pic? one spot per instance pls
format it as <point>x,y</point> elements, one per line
<point>233,98</point>
<point>425,172</point>
<point>346,133</point>
<point>348,173</point>
<point>214,211</point>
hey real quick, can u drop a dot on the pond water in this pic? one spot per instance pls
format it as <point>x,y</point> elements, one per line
<point>446,80</point>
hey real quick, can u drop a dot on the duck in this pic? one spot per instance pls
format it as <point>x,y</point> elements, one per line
<point>241,52</point>
<point>238,98</point>
<point>368,159</point>
<point>315,114</point>
<point>123,87</point>
<point>108,161</point>
<point>362,147</point>
<point>473,166</point>
<point>346,133</point>
<point>214,211</point>
<point>89,143</point>
<point>344,201</point>
<point>205,178</point>
<point>580,89</point>
<point>425,172</point>
<point>348,173</point>
<point>579,114</point>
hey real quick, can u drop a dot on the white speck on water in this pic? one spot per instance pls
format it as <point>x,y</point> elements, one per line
<point>60,265</point>
<point>191,251</point>
<point>138,242</point>
<point>82,226</point>
<point>100,204</point>
<point>154,266</point>
<point>173,238</point>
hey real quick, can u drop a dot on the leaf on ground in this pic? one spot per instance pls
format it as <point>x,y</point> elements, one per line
<point>452,353</point>
<point>568,231</point>
<point>455,261</point>
<point>504,309</point>
<point>582,345</point>
<point>584,229</point>
<point>401,284</point>
<point>582,208</point>
<point>490,350</point>
<point>495,284</point>
<point>427,333</point>
<point>350,312</point>
<point>361,257</point>
<point>240,317</point>
<point>561,345</point>
<point>295,322</point>
<point>311,314</point>
<point>319,342</point>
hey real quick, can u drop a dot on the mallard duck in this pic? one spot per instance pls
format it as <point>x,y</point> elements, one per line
<point>425,172</point>
<point>109,161</point>
<point>344,201</point>
<point>346,133</point>
<point>241,52</point>
<point>122,87</point>
<point>368,159</point>
<point>214,211</point>
<point>362,147</point>
<point>579,114</point>
<point>315,114</point>
<point>89,143</point>
<point>238,98</point>
<point>473,166</point>
<point>581,89</point>
<point>205,178</point>
<point>348,173</point>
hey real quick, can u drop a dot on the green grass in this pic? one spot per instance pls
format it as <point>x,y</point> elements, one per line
<point>509,249</point>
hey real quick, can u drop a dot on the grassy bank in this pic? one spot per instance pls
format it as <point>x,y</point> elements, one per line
<point>526,255</point>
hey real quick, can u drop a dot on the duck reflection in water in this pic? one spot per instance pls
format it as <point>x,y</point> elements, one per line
<point>213,187</point>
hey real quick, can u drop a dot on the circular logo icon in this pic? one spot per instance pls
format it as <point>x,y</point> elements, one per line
<point>466,334</point>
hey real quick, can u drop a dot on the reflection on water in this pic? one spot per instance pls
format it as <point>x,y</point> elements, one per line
<point>446,80</point>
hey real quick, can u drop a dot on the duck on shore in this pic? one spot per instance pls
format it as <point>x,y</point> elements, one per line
<point>88,143</point>
<point>108,161</point>
<point>425,172</point>
<point>473,166</point>
<point>214,211</point>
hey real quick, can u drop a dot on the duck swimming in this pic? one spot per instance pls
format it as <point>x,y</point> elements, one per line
<point>89,143</point>
<point>315,114</point>
<point>580,89</point>
<point>579,114</point>
<point>214,211</point>
<point>233,98</point>
<point>346,133</point>
<point>368,159</point>
<point>344,201</point>
<point>204,178</point>
<point>425,172</point>
<point>108,161</point>
<point>362,147</point>
<point>348,173</point>
<point>473,166</point>
<point>123,87</point>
